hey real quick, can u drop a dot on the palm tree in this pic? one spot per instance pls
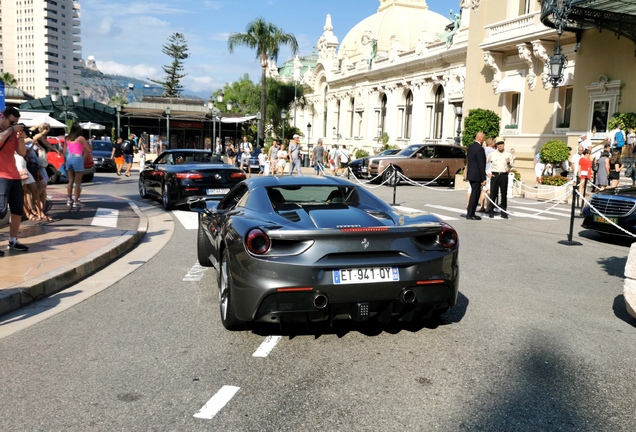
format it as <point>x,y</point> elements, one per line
<point>266,39</point>
<point>8,78</point>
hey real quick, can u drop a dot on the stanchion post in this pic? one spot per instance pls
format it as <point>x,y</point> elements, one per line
<point>569,241</point>
<point>394,177</point>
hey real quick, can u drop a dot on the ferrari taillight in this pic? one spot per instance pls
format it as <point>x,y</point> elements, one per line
<point>448,236</point>
<point>189,176</point>
<point>257,242</point>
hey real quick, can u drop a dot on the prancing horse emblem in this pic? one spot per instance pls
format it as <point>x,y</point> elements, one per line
<point>365,243</point>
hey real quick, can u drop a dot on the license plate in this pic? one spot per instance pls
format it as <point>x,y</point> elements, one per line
<point>601,219</point>
<point>366,275</point>
<point>217,191</point>
<point>364,170</point>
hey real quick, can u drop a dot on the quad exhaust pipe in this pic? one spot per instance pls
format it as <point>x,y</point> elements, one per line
<point>408,296</point>
<point>320,301</point>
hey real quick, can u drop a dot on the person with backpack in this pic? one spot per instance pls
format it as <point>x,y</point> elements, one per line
<point>128,149</point>
<point>617,138</point>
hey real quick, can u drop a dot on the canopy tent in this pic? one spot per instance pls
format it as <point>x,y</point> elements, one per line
<point>237,119</point>
<point>34,118</point>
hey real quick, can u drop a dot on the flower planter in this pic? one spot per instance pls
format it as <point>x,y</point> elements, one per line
<point>554,193</point>
<point>460,183</point>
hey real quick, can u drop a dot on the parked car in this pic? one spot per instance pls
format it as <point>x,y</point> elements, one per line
<point>102,149</point>
<point>359,167</point>
<point>56,160</point>
<point>179,176</point>
<point>421,162</point>
<point>304,248</point>
<point>616,205</point>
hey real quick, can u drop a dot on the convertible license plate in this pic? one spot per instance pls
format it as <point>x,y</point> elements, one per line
<point>217,191</point>
<point>366,275</point>
<point>601,219</point>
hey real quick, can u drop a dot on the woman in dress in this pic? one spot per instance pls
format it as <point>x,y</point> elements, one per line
<point>616,165</point>
<point>602,174</point>
<point>75,147</point>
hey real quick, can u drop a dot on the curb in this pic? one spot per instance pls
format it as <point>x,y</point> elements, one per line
<point>62,278</point>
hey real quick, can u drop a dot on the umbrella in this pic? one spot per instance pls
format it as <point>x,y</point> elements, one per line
<point>92,126</point>
<point>41,118</point>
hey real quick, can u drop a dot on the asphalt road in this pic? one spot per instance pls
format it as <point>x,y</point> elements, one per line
<point>539,341</point>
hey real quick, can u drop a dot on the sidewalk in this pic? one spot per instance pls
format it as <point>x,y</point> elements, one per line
<point>68,249</point>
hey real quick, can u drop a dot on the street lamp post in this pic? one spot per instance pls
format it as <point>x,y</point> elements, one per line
<point>308,143</point>
<point>283,116</point>
<point>75,96</point>
<point>561,10</point>
<point>168,125</point>
<point>458,113</point>
<point>118,109</point>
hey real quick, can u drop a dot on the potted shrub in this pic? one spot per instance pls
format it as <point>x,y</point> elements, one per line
<point>480,120</point>
<point>460,179</point>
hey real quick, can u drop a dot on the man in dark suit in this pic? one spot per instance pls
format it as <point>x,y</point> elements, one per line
<point>476,175</point>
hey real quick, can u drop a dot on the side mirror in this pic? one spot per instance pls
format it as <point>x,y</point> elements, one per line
<point>204,205</point>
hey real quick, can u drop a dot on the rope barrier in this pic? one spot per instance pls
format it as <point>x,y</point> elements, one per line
<point>595,210</point>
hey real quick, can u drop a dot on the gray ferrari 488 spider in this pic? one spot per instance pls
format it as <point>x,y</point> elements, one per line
<point>300,248</point>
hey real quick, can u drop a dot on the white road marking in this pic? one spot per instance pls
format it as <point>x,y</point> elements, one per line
<point>189,220</point>
<point>530,216</point>
<point>195,273</point>
<point>105,217</point>
<point>218,401</point>
<point>535,210</point>
<point>412,210</point>
<point>267,346</point>
<point>452,209</point>
<point>445,218</point>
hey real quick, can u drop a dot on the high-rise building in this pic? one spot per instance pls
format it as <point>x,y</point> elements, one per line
<point>40,44</point>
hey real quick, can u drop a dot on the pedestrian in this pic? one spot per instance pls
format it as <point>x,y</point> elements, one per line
<point>281,160</point>
<point>246,153</point>
<point>333,166</point>
<point>218,149</point>
<point>75,147</point>
<point>484,204</point>
<point>500,164</point>
<point>617,137</point>
<point>142,152</point>
<point>262,160</point>
<point>318,157</point>
<point>584,171</point>
<point>476,164</point>
<point>128,149</point>
<point>118,155</point>
<point>273,157</point>
<point>615,166</point>
<point>33,208</point>
<point>603,169</point>
<point>575,163</point>
<point>294,155</point>
<point>539,168</point>
<point>11,194</point>
<point>230,151</point>
<point>585,142</point>
<point>343,155</point>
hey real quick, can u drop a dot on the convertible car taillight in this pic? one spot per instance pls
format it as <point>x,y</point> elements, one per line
<point>238,175</point>
<point>189,176</point>
<point>257,242</point>
<point>448,236</point>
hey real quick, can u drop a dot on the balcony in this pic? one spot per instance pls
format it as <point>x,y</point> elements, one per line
<point>507,34</point>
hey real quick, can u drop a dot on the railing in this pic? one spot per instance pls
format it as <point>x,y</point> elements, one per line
<point>514,25</point>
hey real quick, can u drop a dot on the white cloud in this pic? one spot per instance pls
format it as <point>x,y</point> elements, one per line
<point>140,71</point>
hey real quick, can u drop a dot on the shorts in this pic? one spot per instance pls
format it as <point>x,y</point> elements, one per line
<point>318,167</point>
<point>261,168</point>
<point>281,163</point>
<point>245,159</point>
<point>128,158</point>
<point>75,163</point>
<point>613,175</point>
<point>11,192</point>
<point>119,160</point>
<point>344,165</point>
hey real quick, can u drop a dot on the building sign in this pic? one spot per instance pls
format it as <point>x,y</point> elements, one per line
<point>186,125</point>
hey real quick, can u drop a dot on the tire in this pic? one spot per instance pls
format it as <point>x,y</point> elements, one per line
<point>165,197</point>
<point>88,178</point>
<point>226,299</point>
<point>204,247</point>
<point>389,178</point>
<point>142,188</point>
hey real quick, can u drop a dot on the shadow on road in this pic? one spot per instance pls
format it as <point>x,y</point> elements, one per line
<point>620,310</point>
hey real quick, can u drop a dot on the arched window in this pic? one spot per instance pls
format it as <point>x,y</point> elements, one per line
<point>408,115</point>
<point>438,113</point>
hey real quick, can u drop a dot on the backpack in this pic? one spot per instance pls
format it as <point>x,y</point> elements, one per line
<point>126,146</point>
<point>619,138</point>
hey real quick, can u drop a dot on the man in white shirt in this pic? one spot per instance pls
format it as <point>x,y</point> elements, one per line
<point>585,142</point>
<point>246,149</point>
<point>500,163</point>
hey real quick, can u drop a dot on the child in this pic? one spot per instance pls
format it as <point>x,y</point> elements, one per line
<point>262,160</point>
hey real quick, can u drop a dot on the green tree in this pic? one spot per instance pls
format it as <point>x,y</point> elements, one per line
<point>118,99</point>
<point>266,39</point>
<point>8,79</point>
<point>626,120</point>
<point>177,49</point>
<point>480,120</point>
<point>554,152</point>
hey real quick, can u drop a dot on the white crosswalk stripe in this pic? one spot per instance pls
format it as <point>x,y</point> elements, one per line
<point>553,212</point>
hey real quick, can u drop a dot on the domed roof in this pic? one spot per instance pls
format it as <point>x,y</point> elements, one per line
<point>397,24</point>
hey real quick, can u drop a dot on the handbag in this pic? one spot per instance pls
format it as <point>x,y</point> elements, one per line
<point>629,171</point>
<point>42,161</point>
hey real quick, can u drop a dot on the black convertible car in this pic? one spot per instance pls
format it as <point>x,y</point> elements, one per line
<point>300,248</point>
<point>180,176</point>
<point>612,207</point>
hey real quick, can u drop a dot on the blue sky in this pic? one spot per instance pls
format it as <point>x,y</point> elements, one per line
<point>126,36</point>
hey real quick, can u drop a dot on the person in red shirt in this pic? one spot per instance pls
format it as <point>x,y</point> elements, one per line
<point>585,171</point>
<point>11,192</point>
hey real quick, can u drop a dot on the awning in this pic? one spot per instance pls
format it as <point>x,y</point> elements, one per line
<point>237,119</point>
<point>618,16</point>
<point>511,84</point>
<point>35,118</point>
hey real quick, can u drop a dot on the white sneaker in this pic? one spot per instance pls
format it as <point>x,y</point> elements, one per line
<point>69,203</point>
